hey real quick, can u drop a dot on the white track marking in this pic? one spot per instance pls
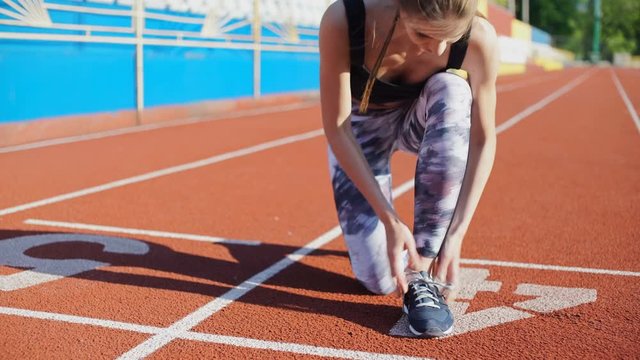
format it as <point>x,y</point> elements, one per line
<point>293,348</point>
<point>13,252</point>
<point>547,299</point>
<point>542,103</point>
<point>205,118</point>
<point>520,84</point>
<point>467,322</point>
<point>472,281</point>
<point>156,342</point>
<point>159,125</point>
<point>553,298</point>
<point>166,171</point>
<point>154,233</point>
<point>548,267</point>
<point>80,320</point>
<point>256,148</point>
<point>625,98</point>
<point>523,114</point>
<point>209,338</point>
<point>217,304</point>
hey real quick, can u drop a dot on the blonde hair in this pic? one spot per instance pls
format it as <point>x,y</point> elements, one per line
<point>439,10</point>
<point>430,10</point>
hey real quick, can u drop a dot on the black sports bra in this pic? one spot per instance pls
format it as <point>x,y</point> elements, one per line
<point>383,91</point>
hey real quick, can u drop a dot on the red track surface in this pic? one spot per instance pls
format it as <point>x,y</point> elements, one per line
<point>565,190</point>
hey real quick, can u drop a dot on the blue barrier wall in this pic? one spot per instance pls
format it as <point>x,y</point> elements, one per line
<point>44,79</point>
<point>283,72</point>
<point>183,75</point>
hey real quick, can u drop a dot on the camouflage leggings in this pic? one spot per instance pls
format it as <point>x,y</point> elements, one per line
<point>436,127</point>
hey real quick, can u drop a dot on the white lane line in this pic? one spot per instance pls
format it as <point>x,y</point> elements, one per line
<point>156,342</point>
<point>201,119</point>
<point>518,117</point>
<point>165,171</point>
<point>80,320</point>
<point>160,125</point>
<point>544,102</point>
<point>154,233</point>
<point>520,265</point>
<point>293,348</point>
<point>625,98</point>
<point>521,84</point>
<point>210,338</point>
<point>218,158</point>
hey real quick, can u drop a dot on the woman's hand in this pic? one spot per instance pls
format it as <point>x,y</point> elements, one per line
<point>400,237</point>
<point>447,266</point>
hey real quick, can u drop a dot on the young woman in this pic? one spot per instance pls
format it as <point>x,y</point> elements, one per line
<point>418,76</point>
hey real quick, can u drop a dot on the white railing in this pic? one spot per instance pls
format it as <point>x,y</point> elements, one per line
<point>28,11</point>
<point>217,20</point>
<point>226,24</point>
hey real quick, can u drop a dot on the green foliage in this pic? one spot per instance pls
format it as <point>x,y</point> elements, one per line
<point>618,42</point>
<point>565,20</point>
<point>558,16</point>
<point>570,22</point>
<point>620,20</point>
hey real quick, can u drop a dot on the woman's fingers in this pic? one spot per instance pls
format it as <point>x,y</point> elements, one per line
<point>453,271</point>
<point>397,268</point>
<point>447,271</point>
<point>402,287</point>
<point>414,257</point>
<point>441,268</point>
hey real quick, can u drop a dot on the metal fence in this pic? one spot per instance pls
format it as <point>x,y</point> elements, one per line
<point>255,25</point>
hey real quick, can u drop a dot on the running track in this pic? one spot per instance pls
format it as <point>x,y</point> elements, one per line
<point>241,257</point>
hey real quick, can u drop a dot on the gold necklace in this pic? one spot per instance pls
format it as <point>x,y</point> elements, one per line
<point>364,103</point>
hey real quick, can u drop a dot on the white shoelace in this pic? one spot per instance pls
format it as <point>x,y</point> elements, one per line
<point>426,288</point>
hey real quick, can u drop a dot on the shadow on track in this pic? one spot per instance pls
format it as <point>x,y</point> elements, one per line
<point>343,296</point>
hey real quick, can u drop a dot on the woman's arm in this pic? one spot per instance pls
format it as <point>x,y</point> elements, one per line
<point>483,69</point>
<point>335,95</point>
<point>482,66</point>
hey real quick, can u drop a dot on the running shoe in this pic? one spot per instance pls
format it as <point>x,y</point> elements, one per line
<point>426,308</point>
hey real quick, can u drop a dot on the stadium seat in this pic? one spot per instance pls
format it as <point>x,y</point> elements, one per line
<point>246,9</point>
<point>155,4</point>
<point>269,11</point>
<point>178,5</point>
<point>197,7</point>
<point>287,13</point>
<point>125,2</point>
<point>109,2</point>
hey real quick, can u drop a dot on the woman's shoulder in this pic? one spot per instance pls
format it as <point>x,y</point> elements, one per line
<point>483,34</point>
<point>334,29</point>
<point>482,53</point>
<point>334,18</point>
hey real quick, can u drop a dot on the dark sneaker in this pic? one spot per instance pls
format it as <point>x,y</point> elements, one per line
<point>426,308</point>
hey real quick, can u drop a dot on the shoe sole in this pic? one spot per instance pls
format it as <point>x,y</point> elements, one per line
<point>428,332</point>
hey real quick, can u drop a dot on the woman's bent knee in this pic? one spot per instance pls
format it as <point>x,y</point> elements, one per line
<point>449,84</point>
<point>379,286</point>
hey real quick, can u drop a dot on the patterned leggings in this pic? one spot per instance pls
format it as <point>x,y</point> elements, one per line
<point>436,128</point>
